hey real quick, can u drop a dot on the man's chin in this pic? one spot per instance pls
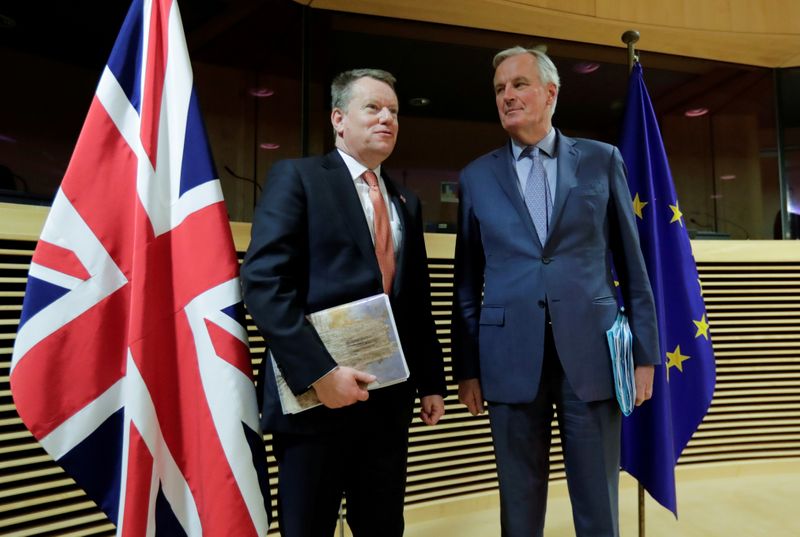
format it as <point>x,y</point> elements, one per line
<point>382,152</point>
<point>385,148</point>
<point>512,127</point>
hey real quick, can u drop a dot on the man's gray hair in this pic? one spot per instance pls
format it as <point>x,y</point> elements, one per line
<point>547,69</point>
<point>342,85</point>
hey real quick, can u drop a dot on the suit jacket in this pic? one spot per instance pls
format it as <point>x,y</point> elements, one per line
<point>311,249</point>
<point>499,337</point>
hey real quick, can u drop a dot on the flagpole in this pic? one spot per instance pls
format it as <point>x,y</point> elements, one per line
<point>630,38</point>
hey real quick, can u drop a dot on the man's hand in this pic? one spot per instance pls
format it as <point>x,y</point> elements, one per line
<point>469,393</point>
<point>432,409</point>
<point>342,387</point>
<point>643,375</point>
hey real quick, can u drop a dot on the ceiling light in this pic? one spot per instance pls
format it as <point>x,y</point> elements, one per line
<point>728,177</point>
<point>269,145</point>
<point>261,92</point>
<point>584,68</point>
<point>696,112</point>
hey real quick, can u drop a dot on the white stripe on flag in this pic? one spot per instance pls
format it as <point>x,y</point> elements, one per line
<point>66,228</point>
<point>75,429</point>
<point>53,276</point>
<point>142,413</point>
<point>229,392</point>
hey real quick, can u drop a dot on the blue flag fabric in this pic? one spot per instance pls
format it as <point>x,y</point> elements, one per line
<point>656,433</point>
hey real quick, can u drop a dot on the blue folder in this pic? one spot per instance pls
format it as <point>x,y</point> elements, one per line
<point>620,343</point>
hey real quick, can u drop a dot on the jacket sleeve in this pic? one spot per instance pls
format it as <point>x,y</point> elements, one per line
<point>428,360</point>
<point>468,288</point>
<point>629,264</point>
<point>275,279</point>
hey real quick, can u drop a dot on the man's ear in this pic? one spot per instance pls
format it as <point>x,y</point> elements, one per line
<point>337,120</point>
<point>552,93</point>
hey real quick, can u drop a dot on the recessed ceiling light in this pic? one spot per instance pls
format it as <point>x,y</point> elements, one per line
<point>584,68</point>
<point>419,101</point>
<point>728,177</point>
<point>269,145</point>
<point>696,112</point>
<point>261,92</point>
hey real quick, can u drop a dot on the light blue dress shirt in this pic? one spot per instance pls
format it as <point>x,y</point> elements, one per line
<point>547,151</point>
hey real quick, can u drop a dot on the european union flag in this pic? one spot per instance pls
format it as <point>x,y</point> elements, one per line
<point>656,433</point>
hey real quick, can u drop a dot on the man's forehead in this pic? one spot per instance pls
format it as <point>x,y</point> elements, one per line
<point>367,84</point>
<point>515,75</point>
<point>519,66</point>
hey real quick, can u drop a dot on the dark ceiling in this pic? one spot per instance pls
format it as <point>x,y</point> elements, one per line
<point>449,66</point>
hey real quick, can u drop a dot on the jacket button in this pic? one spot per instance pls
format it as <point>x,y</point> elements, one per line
<point>541,303</point>
<point>546,260</point>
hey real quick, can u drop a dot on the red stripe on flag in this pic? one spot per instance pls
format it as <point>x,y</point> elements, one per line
<point>230,348</point>
<point>59,259</point>
<point>172,272</point>
<point>101,184</point>
<point>154,76</point>
<point>137,488</point>
<point>92,352</point>
<point>167,359</point>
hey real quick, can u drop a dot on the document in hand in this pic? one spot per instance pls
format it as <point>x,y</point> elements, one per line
<point>620,343</point>
<point>361,335</point>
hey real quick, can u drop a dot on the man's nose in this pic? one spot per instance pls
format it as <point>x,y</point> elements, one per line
<point>385,115</point>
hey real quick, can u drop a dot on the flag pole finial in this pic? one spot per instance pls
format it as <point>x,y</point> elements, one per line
<point>630,38</point>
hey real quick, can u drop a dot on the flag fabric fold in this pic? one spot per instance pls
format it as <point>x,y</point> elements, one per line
<point>654,436</point>
<point>131,363</point>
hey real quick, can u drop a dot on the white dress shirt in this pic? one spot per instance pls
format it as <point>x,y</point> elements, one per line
<point>356,171</point>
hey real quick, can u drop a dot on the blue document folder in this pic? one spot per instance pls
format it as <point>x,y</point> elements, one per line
<point>620,343</point>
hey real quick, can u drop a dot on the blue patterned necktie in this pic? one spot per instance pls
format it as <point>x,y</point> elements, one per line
<point>537,193</point>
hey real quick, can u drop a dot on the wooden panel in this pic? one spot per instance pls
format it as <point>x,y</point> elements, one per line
<point>752,292</point>
<point>754,33</point>
<point>770,17</point>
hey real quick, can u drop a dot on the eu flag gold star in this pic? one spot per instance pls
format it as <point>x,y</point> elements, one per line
<point>638,205</point>
<point>676,214</point>
<point>676,359</point>
<point>702,327</point>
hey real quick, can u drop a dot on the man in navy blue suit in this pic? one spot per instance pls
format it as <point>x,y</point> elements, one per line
<point>542,220</point>
<point>330,230</point>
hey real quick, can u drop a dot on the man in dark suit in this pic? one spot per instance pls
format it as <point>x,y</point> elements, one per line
<point>329,230</point>
<point>540,221</point>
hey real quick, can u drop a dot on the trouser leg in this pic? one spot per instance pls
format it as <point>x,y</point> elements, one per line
<point>309,484</point>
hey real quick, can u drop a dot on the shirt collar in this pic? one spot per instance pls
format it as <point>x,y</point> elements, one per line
<point>355,167</point>
<point>546,145</point>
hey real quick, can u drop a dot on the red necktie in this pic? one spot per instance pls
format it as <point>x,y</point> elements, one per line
<point>384,247</point>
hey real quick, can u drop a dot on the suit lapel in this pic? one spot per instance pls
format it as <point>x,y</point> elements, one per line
<point>399,204</point>
<point>506,175</point>
<point>568,162</point>
<point>345,196</point>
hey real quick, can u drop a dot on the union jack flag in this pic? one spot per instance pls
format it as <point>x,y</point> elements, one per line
<point>131,365</point>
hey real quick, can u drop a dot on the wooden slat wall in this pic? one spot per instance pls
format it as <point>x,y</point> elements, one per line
<point>752,292</point>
